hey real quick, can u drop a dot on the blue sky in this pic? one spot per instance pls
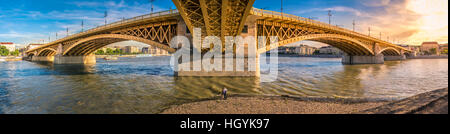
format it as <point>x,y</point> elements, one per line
<point>29,21</point>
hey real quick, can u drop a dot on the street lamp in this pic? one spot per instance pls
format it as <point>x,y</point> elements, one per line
<point>151,2</point>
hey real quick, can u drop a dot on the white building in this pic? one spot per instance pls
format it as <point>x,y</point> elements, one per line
<point>9,45</point>
<point>32,46</point>
<point>330,50</point>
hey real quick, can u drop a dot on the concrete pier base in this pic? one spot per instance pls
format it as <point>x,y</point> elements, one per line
<point>237,67</point>
<point>43,58</point>
<point>75,59</point>
<point>394,58</point>
<point>352,60</point>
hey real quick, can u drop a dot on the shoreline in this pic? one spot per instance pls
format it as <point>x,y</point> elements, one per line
<point>247,104</point>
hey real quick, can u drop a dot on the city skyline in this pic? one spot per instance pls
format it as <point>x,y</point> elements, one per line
<point>27,21</point>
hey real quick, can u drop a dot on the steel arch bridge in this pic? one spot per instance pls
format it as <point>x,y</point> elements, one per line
<point>217,18</point>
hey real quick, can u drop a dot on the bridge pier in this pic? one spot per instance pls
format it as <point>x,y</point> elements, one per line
<point>394,58</point>
<point>43,58</point>
<point>231,67</point>
<point>352,60</point>
<point>90,59</point>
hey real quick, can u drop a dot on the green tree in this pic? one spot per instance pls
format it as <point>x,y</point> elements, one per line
<point>433,51</point>
<point>100,52</point>
<point>109,51</point>
<point>4,51</point>
<point>15,53</point>
<point>317,52</point>
<point>445,51</point>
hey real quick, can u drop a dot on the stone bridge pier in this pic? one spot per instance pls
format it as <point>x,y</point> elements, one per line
<point>42,58</point>
<point>58,59</point>
<point>394,58</point>
<point>89,59</point>
<point>352,60</point>
<point>56,56</point>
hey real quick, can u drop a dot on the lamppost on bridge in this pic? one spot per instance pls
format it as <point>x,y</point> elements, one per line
<point>312,18</point>
<point>151,3</point>
<point>106,15</point>
<point>329,16</point>
<point>354,23</point>
<point>82,25</point>
<point>369,31</point>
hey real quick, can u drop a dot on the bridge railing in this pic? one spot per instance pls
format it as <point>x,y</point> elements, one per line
<point>142,17</point>
<point>275,14</point>
<point>123,21</point>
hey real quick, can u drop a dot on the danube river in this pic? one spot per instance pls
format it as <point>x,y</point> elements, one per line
<point>147,85</point>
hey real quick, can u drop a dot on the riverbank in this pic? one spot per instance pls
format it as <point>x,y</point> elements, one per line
<point>430,57</point>
<point>431,102</point>
<point>310,56</point>
<point>10,58</point>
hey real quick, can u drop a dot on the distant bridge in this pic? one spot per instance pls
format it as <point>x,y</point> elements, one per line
<point>217,18</point>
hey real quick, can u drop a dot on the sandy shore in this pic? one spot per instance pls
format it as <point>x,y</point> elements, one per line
<point>431,102</point>
<point>270,105</point>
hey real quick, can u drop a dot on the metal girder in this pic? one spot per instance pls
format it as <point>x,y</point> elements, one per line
<point>215,17</point>
<point>90,44</point>
<point>191,12</point>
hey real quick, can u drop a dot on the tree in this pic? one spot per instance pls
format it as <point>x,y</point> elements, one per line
<point>317,52</point>
<point>433,51</point>
<point>109,51</point>
<point>15,53</point>
<point>100,52</point>
<point>4,51</point>
<point>445,51</point>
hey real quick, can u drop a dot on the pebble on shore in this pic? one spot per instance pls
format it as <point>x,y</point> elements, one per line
<point>261,105</point>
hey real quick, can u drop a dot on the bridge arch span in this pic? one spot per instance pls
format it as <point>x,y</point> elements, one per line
<point>348,45</point>
<point>47,52</point>
<point>89,45</point>
<point>390,51</point>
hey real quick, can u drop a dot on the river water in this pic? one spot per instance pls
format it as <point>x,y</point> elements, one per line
<point>147,85</point>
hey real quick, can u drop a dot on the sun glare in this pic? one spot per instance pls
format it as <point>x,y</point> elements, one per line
<point>433,23</point>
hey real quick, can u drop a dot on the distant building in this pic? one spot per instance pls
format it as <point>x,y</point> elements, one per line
<point>427,47</point>
<point>22,51</point>
<point>286,50</point>
<point>145,50</point>
<point>9,45</point>
<point>415,50</point>
<point>299,50</point>
<point>131,49</point>
<point>443,48</point>
<point>305,50</point>
<point>32,46</point>
<point>330,50</point>
<point>156,51</point>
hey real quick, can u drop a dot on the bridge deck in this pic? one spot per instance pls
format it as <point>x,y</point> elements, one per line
<point>314,23</point>
<point>164,15</point>
<point>174,14</point>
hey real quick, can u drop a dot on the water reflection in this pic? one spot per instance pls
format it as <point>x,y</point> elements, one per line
<point>147,85</point>
<point>202,87</point>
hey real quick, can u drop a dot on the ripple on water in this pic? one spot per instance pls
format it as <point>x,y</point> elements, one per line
<point>147,85</point>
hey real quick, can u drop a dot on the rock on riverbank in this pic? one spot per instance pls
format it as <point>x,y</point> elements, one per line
<point>431,102</point>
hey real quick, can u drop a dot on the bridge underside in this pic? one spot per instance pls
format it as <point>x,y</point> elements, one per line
<point>220,18</point>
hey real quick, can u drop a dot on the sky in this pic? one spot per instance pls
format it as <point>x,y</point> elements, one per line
<point>403,21</point>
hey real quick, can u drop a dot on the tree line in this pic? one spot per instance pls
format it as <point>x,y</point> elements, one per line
<point>5,52</point>
<point>110,51</point>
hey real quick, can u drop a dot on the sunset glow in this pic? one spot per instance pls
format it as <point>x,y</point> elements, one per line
<point>433,20</point>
